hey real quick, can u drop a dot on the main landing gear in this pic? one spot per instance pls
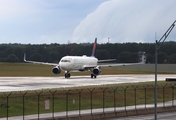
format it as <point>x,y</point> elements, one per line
<point>67,75</point>
<point>93,76</point>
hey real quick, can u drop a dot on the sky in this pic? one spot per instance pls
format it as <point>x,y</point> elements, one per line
<point>81,21</point>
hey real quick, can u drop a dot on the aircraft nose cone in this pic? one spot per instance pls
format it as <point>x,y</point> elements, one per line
<point>64,66</point>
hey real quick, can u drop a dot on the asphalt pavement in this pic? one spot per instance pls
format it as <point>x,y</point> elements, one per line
<point>39,83</point>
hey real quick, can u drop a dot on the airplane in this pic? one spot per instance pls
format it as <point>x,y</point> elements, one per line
<point>81,64</point>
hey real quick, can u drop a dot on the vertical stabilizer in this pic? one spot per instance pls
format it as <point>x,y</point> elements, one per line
<point>94,48</point>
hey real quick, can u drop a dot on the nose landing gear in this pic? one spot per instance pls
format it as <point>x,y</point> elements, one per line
<point>67,75</point>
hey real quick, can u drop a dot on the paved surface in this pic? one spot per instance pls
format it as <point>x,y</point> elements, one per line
<point>32,83</point>
<point>160,116</point>
<point>35,83</point>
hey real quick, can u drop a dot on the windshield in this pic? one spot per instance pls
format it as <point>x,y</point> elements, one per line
<point>65,61</point>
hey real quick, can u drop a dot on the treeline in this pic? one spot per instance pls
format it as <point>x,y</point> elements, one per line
<point>123,52</point>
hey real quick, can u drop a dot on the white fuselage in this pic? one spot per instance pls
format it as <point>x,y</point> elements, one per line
<point>77,63</point>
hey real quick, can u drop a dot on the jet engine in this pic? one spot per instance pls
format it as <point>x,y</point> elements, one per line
<point>96,71</point>
<point>56,70</point>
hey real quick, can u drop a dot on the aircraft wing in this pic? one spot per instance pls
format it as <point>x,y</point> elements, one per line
<point>111,65</point>
<point>120,64</point>
<point>107,60</point>
<point>41,63</point>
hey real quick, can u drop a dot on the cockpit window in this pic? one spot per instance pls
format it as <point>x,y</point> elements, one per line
<point>65,61</point>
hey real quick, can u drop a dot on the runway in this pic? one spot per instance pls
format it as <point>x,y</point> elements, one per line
<point>38,83</point>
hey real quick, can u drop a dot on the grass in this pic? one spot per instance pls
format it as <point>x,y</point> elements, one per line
<point>32,98</point>
<point>65,97</point>
<point>26,69</point>
<point>23,69</point>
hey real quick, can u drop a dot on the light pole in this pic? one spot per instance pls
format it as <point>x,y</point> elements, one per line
<point>157,46</point>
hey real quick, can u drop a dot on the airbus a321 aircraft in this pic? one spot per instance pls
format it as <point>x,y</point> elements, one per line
<point>80,64</point>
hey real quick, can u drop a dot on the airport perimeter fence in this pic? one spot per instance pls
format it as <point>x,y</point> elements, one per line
<point>54,101</point>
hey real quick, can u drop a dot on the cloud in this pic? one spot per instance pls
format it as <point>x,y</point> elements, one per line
<point>41,21</point>
<point>60,21</point>
<point>127,21</point>
<point>16,8</point>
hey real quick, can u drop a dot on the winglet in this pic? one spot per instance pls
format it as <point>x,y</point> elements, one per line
<point>25,57</point>
<point>94,48</point>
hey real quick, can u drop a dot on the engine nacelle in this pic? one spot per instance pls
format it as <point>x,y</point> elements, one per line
<point>96,71</point>
<point>56,70</point>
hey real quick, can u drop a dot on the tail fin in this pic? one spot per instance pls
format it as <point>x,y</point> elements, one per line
<point>94,48</point>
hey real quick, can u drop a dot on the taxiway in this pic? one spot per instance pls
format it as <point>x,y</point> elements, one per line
<point>38,83</point>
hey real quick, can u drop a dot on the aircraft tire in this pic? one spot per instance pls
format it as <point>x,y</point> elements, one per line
<point>67,75</point>
<point>93,76</point>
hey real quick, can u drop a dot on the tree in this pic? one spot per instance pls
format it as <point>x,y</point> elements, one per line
<point>54,56</point>
<point>150,58</point>
<point>172,58</point>
<point>36,57</point>
<point>12,58</point>
<point>125,52</point>
<point>124,57</point>
<point>134,57</point>
<point>102,54</point>
<point>162,57</point>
